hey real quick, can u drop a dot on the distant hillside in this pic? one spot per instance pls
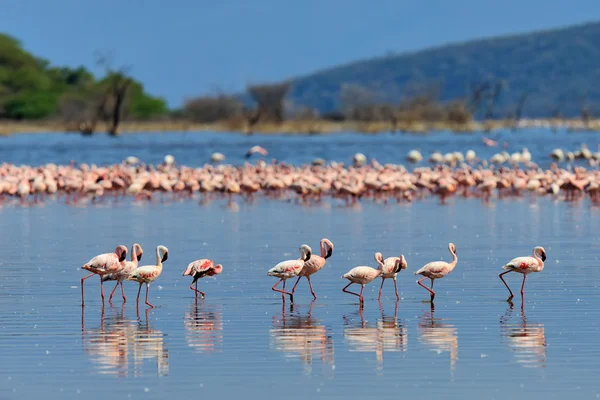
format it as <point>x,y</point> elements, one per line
<point>559,68</point>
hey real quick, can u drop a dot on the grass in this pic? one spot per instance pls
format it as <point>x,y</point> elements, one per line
<point>303,126</point>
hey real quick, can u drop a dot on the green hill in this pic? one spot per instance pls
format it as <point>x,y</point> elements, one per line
<point>559,69</point>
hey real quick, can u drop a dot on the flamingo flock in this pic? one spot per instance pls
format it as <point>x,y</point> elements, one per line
<point>451,174</point>
<point>114,267</point>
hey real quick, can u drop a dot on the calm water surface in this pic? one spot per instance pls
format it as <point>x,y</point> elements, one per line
<point>241,341</point>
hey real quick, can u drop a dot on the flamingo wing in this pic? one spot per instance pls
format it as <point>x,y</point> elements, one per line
<point>101,263</point>
<point>145,273</point>
<point>287,269</point>
<point>522,264</point>
<point>198,267</point>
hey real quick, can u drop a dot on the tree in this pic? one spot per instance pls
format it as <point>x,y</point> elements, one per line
<point>270,100</point>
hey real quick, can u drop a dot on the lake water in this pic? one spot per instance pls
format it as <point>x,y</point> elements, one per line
<point>242,341</point>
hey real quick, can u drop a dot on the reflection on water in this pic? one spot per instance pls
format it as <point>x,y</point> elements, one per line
<point>119,341</point>
<point>302,336</point>
<point>204,328</point>
<point>525,339</point>
<point>386,335</point>
<point>439,336</point>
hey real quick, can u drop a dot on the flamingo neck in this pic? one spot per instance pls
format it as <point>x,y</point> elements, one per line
<point>538,258</point>
<point>323,251</point>
<point>158,259</point>
<point>454,260</point>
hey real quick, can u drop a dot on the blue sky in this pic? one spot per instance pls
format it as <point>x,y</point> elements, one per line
<point>183,48</point>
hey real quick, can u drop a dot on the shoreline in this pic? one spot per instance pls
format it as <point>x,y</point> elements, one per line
<point>304,127</point>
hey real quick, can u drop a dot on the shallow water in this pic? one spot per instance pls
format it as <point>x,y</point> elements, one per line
<point>241,341</point>
<point>194,149</point>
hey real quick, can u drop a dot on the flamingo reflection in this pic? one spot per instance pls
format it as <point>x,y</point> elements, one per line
<point>301,336</point>
<point>527,340</point>
<point>386,335</point>
<point>119,342</point>
<point>204,328</point>
<point>438,336</point>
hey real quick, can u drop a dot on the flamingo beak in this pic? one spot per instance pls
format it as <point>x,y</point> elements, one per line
<point>165,257</point>
<point>139,256</point>
<point>543,256</point>
<point>123,256</point>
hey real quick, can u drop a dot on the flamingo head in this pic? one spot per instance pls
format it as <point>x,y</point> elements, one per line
<point>401,263</point>
<point>452,248</point>
<point>540,251</point>
<point>327,245</point>
<point>163,253</point>
<point>121,252</point>
<point>306,252</point>
<point>136,251</point>
<point>379,259</point>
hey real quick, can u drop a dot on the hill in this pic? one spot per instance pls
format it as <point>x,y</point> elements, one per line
<point>558,69</point>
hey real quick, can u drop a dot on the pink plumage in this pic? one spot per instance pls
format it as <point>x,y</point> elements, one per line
<point>104,264</point>
<point>123,273</point>
<point>149,273</point>
<point>289,269</point>
<point>315,264</point>
<point>391,267</point>
<point>525,266</point>
<point>199,269</point>
<point>437,269</point>
<point>363,275</point>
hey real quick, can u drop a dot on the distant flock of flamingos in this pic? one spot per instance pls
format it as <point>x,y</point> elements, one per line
<point>450,174</point>
<point>115,267</point>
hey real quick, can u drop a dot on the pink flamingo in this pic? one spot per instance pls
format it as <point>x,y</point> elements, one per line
<point>136,256</point>
<point>391,267</point>
<point>289,269</point>
<point>148,273</point>
<point>525,266</point>
<point>104,264</point>
<point>363,275</point>
<point>199,269</point>
<point>257,149</point>
<point>315,264</point>
<point>437,269</point>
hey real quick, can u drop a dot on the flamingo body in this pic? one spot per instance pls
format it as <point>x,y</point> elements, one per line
<point>525,266</point>
<point>437,269</point>
<point>123,273</point>
<point>148,273</point>
<point>104,264</point>
<point>363,275</point>
<point>315,264</point>
<point>199,269</point>
<point>391,267</point>
<point>290,269</point>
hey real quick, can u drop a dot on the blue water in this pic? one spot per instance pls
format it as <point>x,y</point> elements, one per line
<point>194,149</point>
<point>242,341</point>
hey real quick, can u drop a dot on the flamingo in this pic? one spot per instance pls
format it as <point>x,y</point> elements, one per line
<point>289,269</point>
<point>104,264</point>
<point>391,267</point>
<point>315,264</point>
<point>437,269</point>
<point>257,149</point>
<point>363,275</point>
<point>525,265</point>
<point>199,269</point>
<point>148,273</point>
<point>136,256</point>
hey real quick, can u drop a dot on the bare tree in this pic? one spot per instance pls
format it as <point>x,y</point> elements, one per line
<point>115,87</point>
<point>270,100</point>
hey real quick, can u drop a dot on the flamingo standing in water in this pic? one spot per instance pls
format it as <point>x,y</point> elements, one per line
<point>136,256</point>
<point>290,269</point>
<point>148,273</point>
<point>363,275</point>
<point>391,267</point>
<point>437,269</point>
<point>199,269</point>
<point>104,264</point>
<point>315,264</point>
<point>525,266</point>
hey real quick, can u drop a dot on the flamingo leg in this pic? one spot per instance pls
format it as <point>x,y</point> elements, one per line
<point>355,294</point>
<point>381,288</point>
<point>523,285</point>
<point>311,288</point>
<point>505,284</point>
<point>147,289</point>
<point>296,284</point>
<point>138,296</point>
<point>101,289</point>
<point>83,279</point>
<point>197,291</point>
<point>123,293</point>
<point>113,292</point>
<point>396,287</point>
<point>431,292</point>
<point>283,292</point>
<point>362,300</point>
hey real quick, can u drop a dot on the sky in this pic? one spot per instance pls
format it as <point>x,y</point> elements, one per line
<point>185,48</point>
